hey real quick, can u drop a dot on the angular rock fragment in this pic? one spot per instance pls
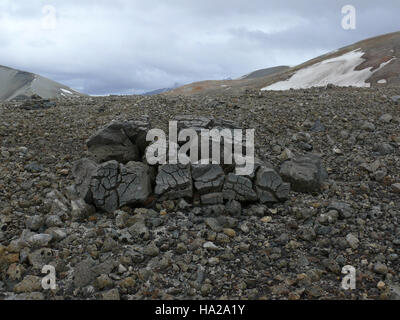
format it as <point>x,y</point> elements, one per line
<point>174,181</point>
<point>305,173</point>
<point>270,186</point>
<point>81,210</point>
<point>344,209</point>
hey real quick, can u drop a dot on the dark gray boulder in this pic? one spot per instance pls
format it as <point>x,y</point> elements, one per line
<point>122,141</point>
<point>270,186</point>
<point>115,185</point>
<point>305,173</point>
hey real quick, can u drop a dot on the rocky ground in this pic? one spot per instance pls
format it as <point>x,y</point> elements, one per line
<point>289,250</point>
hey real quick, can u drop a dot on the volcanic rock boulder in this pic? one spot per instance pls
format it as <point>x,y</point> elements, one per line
<point>305,173</point>
<point>112,185</point>
<point>174,181</point>
<point>270,186</point>
<point>115,185</point>
<point>83,171</point>
<point>122,141</point>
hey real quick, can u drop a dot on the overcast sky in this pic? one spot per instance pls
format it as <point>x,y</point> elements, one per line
<point>132,46</point>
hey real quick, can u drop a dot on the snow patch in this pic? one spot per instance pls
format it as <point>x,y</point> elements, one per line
<point>66,91</point>
<point>339,71</point>
<point>382,81</point>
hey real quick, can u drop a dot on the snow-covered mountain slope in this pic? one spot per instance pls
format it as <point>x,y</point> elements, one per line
<point>368,63</point>
<point>340,71</point>
<point>15,83</point>
<point>371,62</point>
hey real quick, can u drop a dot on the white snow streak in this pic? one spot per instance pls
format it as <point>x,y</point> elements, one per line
<point>339,71</point>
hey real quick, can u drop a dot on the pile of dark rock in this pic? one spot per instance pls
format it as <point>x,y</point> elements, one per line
<point>116,173</point>
<point>35,102</point>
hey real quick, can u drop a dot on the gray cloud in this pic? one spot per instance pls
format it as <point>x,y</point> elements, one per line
<point>124,46</point>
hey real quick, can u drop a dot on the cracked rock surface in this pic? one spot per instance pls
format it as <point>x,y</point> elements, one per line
<point>174,181</point>
<point>208,178</point>
<point>238,188</point>
<point>115,185</point>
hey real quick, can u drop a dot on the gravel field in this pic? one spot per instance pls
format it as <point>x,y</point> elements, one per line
<point>179,249</point>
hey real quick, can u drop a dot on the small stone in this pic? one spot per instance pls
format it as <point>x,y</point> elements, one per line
<point>181,248</point>
<point>396,187</point>
<point>122,269</point>
<point>80,210</point>
<point>206,289</point>
<point>381,285</point>
<point>34,223</point>
<point>213,224</point>
<point>286,155</point>
<point>318,126</point>
<point>380,268</point>
<point>353,241</point>
<point>266,219</point>
<point>230,232</point>
<point>103,281</point>
<point>151,250</point>
<point>15,271</point>
<point>182,204</point>
<point>64,172</point>
<point>213,261</point>
<point>112,294</point>
<point>53,221</point>
<point>29,284</point>
<point>368,126</point>
<point>244,228</point>
<point>344,209</point>
<point>40,240</point>
<point>210,246</point>
<point>386,118</point>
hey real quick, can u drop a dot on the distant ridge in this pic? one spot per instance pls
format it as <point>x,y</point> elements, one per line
<point>15,84</point>
<point>368,63</point>
<point>264,72</point>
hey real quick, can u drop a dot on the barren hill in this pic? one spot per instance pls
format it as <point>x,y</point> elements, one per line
<point>368,63</point>
<point>15,83</point>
